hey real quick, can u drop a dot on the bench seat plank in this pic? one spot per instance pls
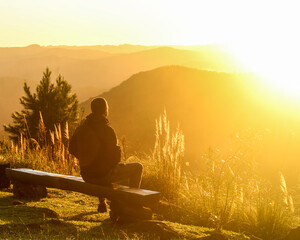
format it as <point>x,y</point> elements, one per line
<point>77,184</point>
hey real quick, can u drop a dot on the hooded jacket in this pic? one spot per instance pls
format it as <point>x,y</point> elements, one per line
<point>94,143</point>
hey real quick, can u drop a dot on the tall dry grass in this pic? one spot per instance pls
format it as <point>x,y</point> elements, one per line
<point>226,193</point>
<point>168,157</point>
<point>48,153</point>
<point>220,199</point>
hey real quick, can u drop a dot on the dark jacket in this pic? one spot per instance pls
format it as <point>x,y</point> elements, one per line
<point>94,143</point>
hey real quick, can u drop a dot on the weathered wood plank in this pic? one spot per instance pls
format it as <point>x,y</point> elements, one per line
<point>71,183</point>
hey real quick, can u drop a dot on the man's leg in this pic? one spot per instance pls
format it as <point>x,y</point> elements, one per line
<point>96,180</point>
<point>102,205</point>
<point>128,171</point>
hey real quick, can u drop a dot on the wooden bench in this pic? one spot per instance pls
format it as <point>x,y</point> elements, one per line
<point>126,203</point>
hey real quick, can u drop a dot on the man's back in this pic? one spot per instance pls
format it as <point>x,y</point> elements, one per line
<point>94,143</point>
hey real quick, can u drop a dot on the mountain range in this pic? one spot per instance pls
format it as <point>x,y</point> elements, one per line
<point>92,70</point>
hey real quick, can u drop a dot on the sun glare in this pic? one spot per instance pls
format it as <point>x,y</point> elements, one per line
<point>275,64</point>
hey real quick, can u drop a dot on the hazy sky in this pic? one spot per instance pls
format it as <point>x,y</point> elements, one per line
<point>148,22</point>
<point>263,34</point>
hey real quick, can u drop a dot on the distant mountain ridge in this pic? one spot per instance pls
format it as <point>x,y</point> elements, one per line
<point>92,70</point>
<point>113,49</point>
<point>89,67</point>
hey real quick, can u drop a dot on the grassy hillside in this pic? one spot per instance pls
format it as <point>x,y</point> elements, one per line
<point>68,215</point>
<point>219,110</point>
<point>226,192</point>
<point>195,99</point>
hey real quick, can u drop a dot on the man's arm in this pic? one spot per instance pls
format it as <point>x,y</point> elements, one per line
<point>112,149</point>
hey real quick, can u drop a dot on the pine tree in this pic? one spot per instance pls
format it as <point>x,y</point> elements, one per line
<point>54,103</point>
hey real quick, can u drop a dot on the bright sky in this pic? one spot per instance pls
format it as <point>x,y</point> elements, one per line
<point>262,33</point>
<point>90,22</point>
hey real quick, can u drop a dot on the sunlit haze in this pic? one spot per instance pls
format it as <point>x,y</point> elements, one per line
<point>262,34</point>
<point>155,22</point>
<point>196,102</point>
<point>276,64</point>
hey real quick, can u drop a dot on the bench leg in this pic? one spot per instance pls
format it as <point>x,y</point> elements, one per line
<point>29,191</point>
<point>124,212</point>
<point>102,205</point>
<point>4,181</point>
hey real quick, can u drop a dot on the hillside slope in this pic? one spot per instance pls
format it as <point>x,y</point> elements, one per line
<point>218,110</point>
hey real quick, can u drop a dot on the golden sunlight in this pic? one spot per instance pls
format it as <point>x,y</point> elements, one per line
<point>193,106</point>
<point>275,64</point>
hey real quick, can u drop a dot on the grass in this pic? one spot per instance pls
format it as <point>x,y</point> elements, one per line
<point>168,155</point>
<point>227,193</point>
<point>69,215</point>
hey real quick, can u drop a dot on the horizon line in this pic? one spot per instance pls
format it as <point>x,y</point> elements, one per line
<point>114,45</point>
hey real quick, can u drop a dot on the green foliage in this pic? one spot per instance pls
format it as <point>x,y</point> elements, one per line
<point>52,104</point>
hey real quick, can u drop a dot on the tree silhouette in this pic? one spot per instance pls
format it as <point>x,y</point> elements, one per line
<point>52,104</point>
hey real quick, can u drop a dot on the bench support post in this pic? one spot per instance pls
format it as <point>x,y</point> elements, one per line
<point>4,180</point>
<point>29,191</point>
<point>125,212</point>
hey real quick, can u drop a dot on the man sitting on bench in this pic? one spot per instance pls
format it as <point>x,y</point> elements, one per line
<point>94,143</point>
